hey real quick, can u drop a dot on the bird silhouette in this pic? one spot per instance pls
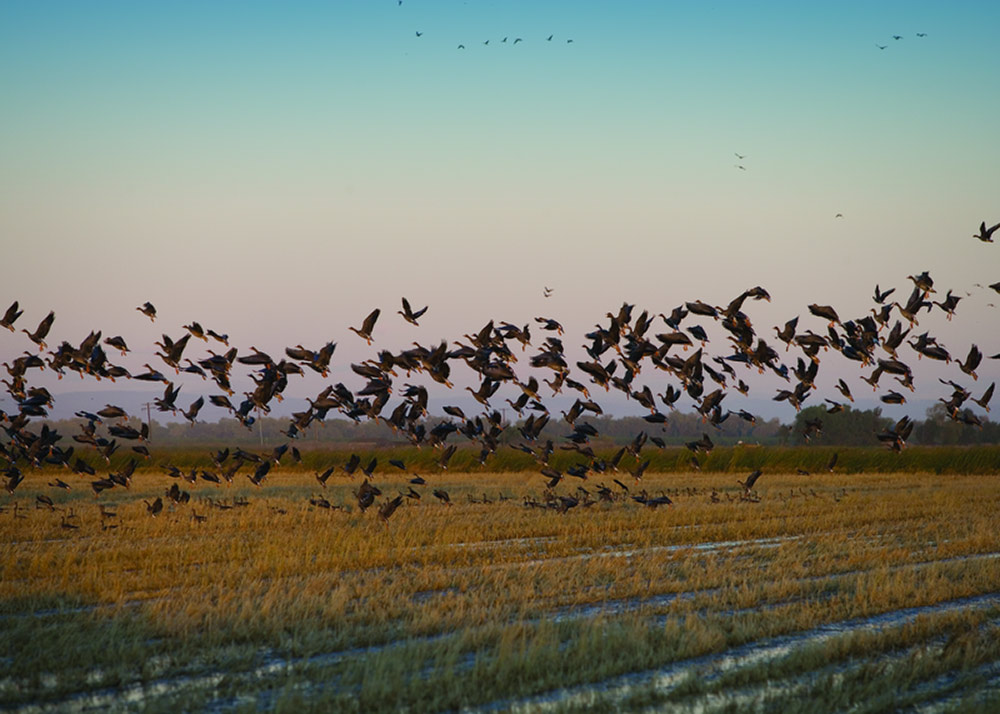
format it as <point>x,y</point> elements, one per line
<point>367,326</point>
<point>826,312</point>
<point>972,362</point>
<point>148,310</point>
<point>984,401</point>
<point>750,480</point>
<point>10,316</point>
<point>389,507</point>
<point>881,296</point>
<point>408,314</point>
<point>38,336</point>
<point>985,235</point>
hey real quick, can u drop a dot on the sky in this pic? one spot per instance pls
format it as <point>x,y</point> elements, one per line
<point>277,170</point>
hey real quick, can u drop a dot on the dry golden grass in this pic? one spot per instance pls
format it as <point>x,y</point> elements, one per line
<point>468,603</point>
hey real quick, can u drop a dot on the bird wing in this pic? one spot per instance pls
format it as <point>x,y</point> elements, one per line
<point>369,323</point>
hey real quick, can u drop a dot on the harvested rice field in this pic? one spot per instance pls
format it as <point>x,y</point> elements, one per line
<point>814,593</point>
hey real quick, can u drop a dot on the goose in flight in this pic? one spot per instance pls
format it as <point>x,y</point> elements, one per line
<point>971,362</point>
<point>880,296</point>
<point>750,480</point>
<point>983,401</point>
<point>148,310</point>
<point>10,316</point>
<point>408,314</point>
<point>923,282</point>
<point>196,330</point>
<point>388,508</point>
<point>826,312</point>
<point>367,326</point>
<point>38,336</point>
<point>985,235</point>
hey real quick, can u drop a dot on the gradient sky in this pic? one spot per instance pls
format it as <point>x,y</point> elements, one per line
<point>276,170</point>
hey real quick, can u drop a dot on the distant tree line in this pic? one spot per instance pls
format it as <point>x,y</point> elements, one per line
<point>812,425</point>
<point>853,427</point>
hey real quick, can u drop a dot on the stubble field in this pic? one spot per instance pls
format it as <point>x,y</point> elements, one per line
<point>832,592</point>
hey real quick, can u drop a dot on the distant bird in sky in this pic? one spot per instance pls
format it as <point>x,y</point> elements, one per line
<point>547,292</point>
<point>923,282</point>
<point>223,338</point>
<point>568,41</point>
<point>148,310</point>
<point>739,156</point>
<point>38,336</point>
<point>921,34</point>
<point>881,296</point>
<point>461,47</point>
<point>549,38</point>
<point>408,314</point>
<point>971,362</point>
<point>517,39</point>
<point>881,47</point>
<point>839,215</point>
<point>826,312</point>
<point>740,167</point>
<point>985,234</point>
<point>983,401</point>
<point>897,37</point>
<point>10,316</point>
<point>419,34</point>
<point>367,326</point>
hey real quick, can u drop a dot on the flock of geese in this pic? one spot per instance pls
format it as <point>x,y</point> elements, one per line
<point>670,348</point>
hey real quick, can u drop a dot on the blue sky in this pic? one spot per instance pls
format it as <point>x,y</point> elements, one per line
<point>276,170</point>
